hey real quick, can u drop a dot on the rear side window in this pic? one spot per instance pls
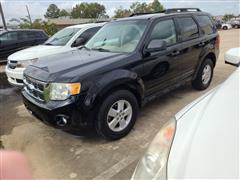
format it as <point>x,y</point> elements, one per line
<point>165,30</point>
<point>34,35</point>
<point>188,28</point>
<point>206,24</point>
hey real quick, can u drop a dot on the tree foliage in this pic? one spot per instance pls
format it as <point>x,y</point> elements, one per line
<point>64,13</point>
<point>138,7</point>
<point>52,11</point>
<point>88,10</point>
<point>227,17</point>
<point>50,29</point>
<point>121,12</point>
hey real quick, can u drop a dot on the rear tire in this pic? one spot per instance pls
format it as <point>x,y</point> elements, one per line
<point>204,75</point>
<point>117,115</point>
<point>225,28</point>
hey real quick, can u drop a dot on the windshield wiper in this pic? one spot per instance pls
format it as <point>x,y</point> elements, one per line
<point>101,49</point>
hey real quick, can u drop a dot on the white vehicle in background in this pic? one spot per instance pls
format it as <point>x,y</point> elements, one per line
<point>202,140</point>
<point>66,40</point>
<point>226,26</point>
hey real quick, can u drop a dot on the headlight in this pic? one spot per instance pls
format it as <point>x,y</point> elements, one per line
<point>24,64</point>
<point>62,91</point>
<point>153,164</point>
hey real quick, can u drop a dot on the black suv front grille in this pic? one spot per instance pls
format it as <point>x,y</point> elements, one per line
<point>12,64</point>
<point>34,88</point>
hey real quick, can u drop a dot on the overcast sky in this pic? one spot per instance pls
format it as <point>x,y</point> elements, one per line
<point>16,8</point>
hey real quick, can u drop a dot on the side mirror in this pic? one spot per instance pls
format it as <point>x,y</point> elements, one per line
<point>79,42</point>
<point>156,45</point>
<point>232,57</point>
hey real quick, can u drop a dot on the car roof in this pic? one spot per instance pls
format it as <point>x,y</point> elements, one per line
<point>89,25</point>
<point>158,15</point>
<point>24,30</point>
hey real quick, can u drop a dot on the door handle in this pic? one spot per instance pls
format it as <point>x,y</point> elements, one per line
<point>201,44</point>
<point>175,53</point>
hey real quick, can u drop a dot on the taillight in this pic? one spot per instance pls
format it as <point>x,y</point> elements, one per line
<point>218,41</point>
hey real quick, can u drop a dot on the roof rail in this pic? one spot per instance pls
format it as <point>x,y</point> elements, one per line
<point>176,10</point>
<point>169,11</point>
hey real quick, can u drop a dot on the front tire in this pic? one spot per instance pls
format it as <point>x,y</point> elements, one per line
<point>117,115</point>
<point>204,75</point>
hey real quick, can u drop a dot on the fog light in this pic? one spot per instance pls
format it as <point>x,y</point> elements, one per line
<point>61,120</point>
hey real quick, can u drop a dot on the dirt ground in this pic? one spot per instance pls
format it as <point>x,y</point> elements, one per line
<point>54,154</point>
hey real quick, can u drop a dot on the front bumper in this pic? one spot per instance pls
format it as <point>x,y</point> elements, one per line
<point>78,120</point>
<point>15,76</point>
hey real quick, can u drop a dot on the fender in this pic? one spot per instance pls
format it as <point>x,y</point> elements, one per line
<point>208,50</point>
<point>111,80</point>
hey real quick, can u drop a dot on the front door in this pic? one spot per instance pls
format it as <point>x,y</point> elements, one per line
<point>163,68</point>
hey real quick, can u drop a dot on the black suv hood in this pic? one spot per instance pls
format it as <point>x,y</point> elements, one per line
<point>66,66</point>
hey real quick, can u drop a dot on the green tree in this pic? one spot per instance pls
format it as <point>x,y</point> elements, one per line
<point>63,13</point>
<point>88,10</point>
<point>156,6</point>
<point>138,7</point>
<point>227,17</point>
<point>50,29</point>
<point>52,11</point>
<point>121,12</point>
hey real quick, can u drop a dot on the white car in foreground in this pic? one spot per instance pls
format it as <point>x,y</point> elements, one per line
<point>202,140</point>
<point>66,40</point>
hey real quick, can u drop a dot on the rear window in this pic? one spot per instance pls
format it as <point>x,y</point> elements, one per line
<point>206,24</point>
<point>189,28</point>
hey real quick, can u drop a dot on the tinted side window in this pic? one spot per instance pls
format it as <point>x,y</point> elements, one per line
<point>188,27</point>
<point>9,36</point>
<point>89,33</point>
<point>165,30</point>
<point>22,35</point>
<point>206,24</point>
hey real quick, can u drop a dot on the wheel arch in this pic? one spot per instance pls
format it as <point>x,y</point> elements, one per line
<point>209,55</point>
<point>112,81</point>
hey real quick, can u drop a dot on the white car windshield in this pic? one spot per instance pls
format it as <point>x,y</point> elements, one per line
<point>62,37</point>
<point>121,36</point>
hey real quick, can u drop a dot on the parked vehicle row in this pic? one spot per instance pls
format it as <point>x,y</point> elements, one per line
<point>101,86</point>
<point>14,40</point>
<point>66,40</point>
<point>202,140</point>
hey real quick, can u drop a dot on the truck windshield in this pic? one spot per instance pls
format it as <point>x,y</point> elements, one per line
<point>62,37</point>
<point>121,36</point>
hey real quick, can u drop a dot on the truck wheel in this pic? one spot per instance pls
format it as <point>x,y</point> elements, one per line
<point>117,115</point>
<point>204,75</point>
<point>225,28</point>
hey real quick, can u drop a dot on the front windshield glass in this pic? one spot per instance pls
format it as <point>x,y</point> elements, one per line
<point>62,37</point>
<point>122,36</point>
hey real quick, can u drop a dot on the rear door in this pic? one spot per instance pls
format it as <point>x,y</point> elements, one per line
<point>191,44</point>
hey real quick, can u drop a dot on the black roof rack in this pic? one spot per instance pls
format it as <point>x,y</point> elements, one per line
<point>169,11</point>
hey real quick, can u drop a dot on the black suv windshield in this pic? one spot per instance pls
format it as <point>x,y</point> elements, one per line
<point>122,36</point>
<point>62,37</point>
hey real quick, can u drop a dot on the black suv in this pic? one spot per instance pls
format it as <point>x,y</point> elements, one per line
<point>15,40</point>
<point>126,64</point>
